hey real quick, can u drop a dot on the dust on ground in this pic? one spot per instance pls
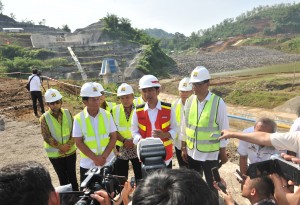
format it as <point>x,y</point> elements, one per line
<point>21,140</point>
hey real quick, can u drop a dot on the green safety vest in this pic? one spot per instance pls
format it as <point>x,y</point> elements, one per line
<point>60,132</point>
<point>178,106</point>
<point>123,126</point>
<point>199,131</point>
<point>89,134</point>
<point>110,105</point>
<point>138,101</point>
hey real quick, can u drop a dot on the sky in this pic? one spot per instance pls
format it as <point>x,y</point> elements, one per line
<point>183,16</point>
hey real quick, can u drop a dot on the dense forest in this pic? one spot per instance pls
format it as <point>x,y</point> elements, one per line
<point>262,20</point>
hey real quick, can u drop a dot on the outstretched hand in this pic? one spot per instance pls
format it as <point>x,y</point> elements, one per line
<point>225,134</point>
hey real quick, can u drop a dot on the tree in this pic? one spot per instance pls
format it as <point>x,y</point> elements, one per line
<point>42,22</point>
<point>1,6</point>
<point>13,16</point>
<point>66,28</point>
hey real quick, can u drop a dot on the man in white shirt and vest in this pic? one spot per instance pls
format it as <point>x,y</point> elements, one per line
<point>205,117</point>
<point>127,151</point>
<point>94,131</point>
<point>185,91</point>
<point>154,118</point>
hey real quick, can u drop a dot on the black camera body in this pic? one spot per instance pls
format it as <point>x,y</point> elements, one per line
<point>276,164</point>
<point>98,178</point>
<point>152,153</point>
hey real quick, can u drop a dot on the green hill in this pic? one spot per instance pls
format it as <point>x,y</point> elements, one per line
<point>280,19</point>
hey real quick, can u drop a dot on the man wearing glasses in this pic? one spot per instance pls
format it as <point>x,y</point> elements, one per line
<point>205,117</point>
<point>56,125</point>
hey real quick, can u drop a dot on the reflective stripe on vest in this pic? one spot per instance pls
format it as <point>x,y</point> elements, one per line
<point>60,132</point>
<point>199,131</point>
<point>162,122</point>
<point>123,125</point>
<point>96,145</point>
<point>178,110</point>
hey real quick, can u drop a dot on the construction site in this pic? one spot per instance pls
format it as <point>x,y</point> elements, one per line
<point>92,57</point>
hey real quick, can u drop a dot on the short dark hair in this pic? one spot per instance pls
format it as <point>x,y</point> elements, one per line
<point>25,183</point>
<point>34,70</point>
<point>264,186</point>
<point>85,98</point>
<point>173,186</point>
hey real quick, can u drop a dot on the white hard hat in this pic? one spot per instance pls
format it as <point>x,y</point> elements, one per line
<point>148,81</point>
<point>100,87</point>
<point>89,90</point>
<point>199,74</point>
<point>185,85</point>
<point>52,95</point>
<point>124,89</point>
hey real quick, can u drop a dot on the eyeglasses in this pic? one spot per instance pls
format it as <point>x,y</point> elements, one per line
<point>56,102</point>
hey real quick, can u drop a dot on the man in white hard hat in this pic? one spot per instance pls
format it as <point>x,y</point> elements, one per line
<point>185,91</point>
<point>103,103</point>
<point>94,131</point>
<point>154,118</point>
<point>205,117</point>
<point>122,114</point>
<point>56,128</point>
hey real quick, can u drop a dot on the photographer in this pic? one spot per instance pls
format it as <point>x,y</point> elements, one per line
<point>173,186</point>
<point>258,191</point>
<point>26,183</point>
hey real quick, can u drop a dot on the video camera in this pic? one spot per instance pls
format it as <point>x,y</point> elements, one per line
<point>276,164</point>
<point>97,178</point>
<point>152,153</point>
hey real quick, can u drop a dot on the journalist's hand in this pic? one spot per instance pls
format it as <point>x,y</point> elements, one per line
<point>102,197</point>
<point>227,197</point>
<point>225,134</point>
<point>127,190</point>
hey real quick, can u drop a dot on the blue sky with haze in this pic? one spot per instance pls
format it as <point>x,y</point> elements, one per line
<point>170,15</point>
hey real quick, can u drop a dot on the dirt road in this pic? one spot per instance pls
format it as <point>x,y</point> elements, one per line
<point>20,138</point>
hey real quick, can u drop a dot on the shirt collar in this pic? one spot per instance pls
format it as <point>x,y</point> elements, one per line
<point>86,113</point>
<point>158,106</point>
<point>207,98</point>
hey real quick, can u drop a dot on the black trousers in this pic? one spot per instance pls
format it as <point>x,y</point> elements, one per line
<point>37,95</point>
<point>65,168</point>
<point>179,158</point>
<point>205,167</point>
<point>122,166</point>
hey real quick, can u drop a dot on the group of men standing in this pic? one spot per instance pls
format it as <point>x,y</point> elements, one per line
<point>193,123</point>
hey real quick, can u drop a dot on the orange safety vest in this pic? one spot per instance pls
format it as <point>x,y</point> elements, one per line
<point>163,122</point>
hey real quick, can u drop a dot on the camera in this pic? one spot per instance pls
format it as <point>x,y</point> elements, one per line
<point>151,151</point>
<point>100,178</point>
<point>276,164</point>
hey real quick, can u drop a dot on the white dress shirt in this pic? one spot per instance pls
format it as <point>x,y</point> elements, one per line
<point>87,163</point>
<point>223,122</point>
